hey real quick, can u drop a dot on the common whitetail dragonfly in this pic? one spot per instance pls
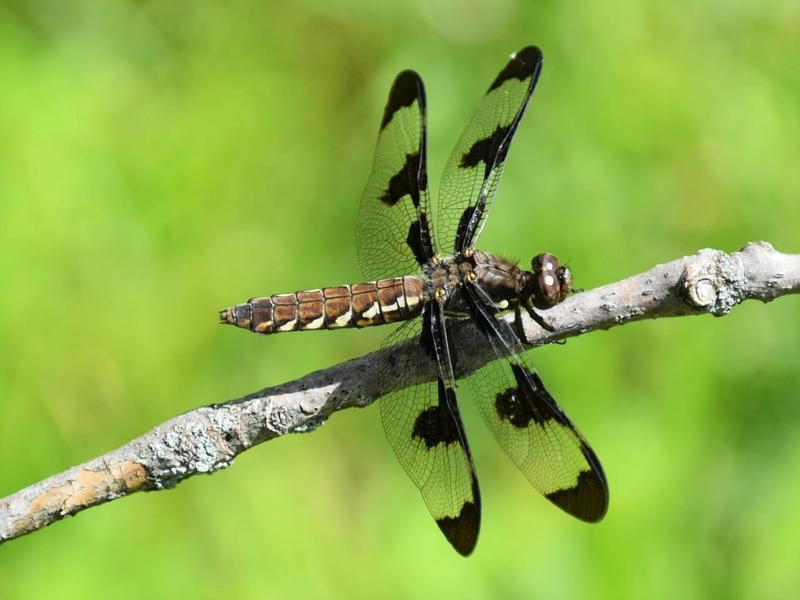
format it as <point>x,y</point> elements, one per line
<point>444,282</point>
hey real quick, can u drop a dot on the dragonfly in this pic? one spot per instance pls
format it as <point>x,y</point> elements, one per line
<point>431,284</point>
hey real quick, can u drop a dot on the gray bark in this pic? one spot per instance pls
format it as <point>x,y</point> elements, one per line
<point>207,439</point>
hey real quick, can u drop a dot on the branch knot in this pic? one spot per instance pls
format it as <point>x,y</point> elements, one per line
<point>715,283</point>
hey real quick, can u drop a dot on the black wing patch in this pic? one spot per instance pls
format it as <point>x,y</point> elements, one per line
<point>422,422</point>
<point>405,91</point>
<point>473,171</point>
<point>394,233</point>
<point>530,425</point>
<point>435,424</point>
<point>483,149</point>
<point>404,183</point>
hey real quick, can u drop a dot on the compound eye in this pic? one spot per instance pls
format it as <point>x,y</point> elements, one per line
<point>549,292</point>
<point>564,275</point>
<point>544,262</point>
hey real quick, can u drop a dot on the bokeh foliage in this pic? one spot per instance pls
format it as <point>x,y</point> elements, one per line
<point>161,160</point>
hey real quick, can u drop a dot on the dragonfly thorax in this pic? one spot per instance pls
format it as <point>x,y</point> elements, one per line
<point>544,286</point>
<point>500,279</point>
<point>444,275</point>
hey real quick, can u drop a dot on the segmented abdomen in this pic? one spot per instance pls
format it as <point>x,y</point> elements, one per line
<point>356,305</point>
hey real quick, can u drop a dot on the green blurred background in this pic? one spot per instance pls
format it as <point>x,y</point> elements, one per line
<point>161,160</point>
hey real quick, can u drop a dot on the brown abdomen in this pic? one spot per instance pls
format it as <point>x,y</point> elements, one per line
<point>356,305</point>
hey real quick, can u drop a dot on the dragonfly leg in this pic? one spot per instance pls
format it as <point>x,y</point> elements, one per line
<point>539,318</point>
<point>520,330</point>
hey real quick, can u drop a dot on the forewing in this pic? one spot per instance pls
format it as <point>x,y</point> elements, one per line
<point>422,422</point>
<point>473,171</point>
<point>530,425</point>
<point>394,233</point>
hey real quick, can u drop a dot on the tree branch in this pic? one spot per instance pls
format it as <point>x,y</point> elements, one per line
<point>207,439</point>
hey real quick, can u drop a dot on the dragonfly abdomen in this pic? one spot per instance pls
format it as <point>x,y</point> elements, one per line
<point>355,305</point>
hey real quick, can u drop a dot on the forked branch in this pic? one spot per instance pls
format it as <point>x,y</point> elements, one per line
<point>207,439</point>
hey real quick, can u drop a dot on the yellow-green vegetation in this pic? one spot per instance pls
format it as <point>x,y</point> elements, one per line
<point>162,160</point>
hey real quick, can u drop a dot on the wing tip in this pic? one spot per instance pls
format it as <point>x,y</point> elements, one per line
<point>528,55</point>
<point>587,500</point>
<point>523,64</point>
<point>407,88</point>
<point>462,530</point>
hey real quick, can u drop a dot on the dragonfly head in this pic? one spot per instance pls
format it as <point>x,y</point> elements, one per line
<point>550,282</point>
